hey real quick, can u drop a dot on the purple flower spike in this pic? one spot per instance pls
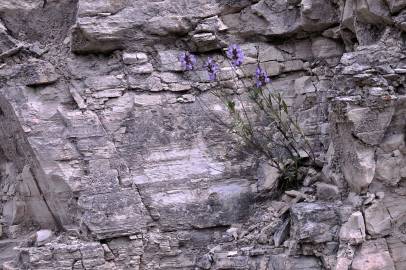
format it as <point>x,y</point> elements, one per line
<point>187,60</point>
<point>261,77</point>
<point>212,68</point>
<point>235,54</point>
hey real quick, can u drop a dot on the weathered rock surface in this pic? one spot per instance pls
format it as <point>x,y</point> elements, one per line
<point>378,220</point>
<point>373,255</point>
<point>314,222</point>
<point>110,158</point>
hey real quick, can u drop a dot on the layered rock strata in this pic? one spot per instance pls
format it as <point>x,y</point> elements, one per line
<point>110,149</point>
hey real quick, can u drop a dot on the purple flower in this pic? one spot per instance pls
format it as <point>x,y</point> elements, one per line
<point>187,60</point>
<point>261,77</point>
<point>212,68</point>
<point>235,54</point>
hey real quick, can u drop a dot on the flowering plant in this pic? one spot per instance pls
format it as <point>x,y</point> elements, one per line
<point>187,60</point>
<point>235,54</point>
<point>262,122</point>
<point>212,68</point>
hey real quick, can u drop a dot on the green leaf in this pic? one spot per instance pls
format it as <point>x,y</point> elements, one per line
<point>285,107</point>
<point>230,105</point>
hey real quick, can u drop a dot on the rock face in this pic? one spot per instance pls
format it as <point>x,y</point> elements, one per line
<point>110,157</point>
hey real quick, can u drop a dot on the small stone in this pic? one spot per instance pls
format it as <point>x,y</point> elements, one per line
<point>311,177</point>
<point>292,65</point>
<point>14,212</point>
<point>369,198</point>
<point>267,177</point>
<point>170,60</point>
<point>333,33</point>
<point>327,192</point>
<point>400,70</point>
<point>43,237</point>
<point>353,231</point>
<point>186,98</point>
<point>135,58</point>
<point>178,87</point>
<point>325,47</point>
<point>211,24</point>
<point>392,143</point>
<point>233,231</point>
<point>380,195</point>
<point>373,12</point>
<point>269,53</point>
<point>304,85</point>
<point>313,222</point>
<point>345,256</point>
<point>205,262</point>
<point>281,234</point>
<point>377,91</point>
<point>396,5</point>
<point>142,69</point>
<point>108,254</point>
<point>377,219</point>
<point>205,42</point>
<point>354,199</point>
<point>38,72</point>
<point>109,93</point>
<point>77,98</point>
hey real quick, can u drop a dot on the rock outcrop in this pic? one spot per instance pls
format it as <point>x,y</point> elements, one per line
<point>110,157</point>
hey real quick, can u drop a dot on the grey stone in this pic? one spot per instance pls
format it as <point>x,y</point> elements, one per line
<point>43,237</point>
<point>377,220</point>
<point>269,53</point>
<point>38,72</point>
<point>170,60</point>
<point>305,85</point>
<point>396,250</point>
<point>324,47</point>
<point>393,142</point>
<point>388,168</point>
<point>348,16</point>
<point>167,25</point>
<point>290,263</point>
<point>186,98</point>
<point>353,231</point>
<point>205,42</point>
<point>313,222</point>
<point>373,255</point>
<point>345,255</point>
<point>327,192</point>
<point>142,69</point>
<point>205,262</point>
<point>374,12</point>
<point>361,116</point>
<point>361,175</point>
<point>281,234</point>
<point>396,5</point>
<point>317,15</point>
<point>14,211</point>
<point>211,24</point>
<point>134,58</point>
<point>267,177</point>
